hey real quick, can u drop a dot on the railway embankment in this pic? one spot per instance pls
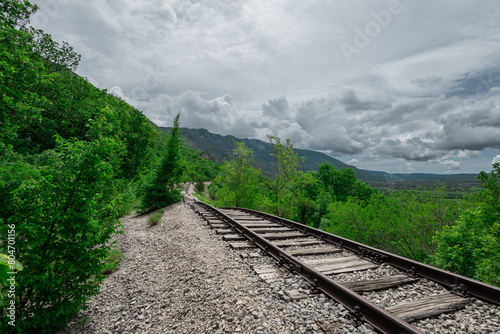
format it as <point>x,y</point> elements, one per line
<point>180,277</point>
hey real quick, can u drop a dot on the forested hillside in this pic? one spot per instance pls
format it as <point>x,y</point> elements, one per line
<point>73,160</point>
<point>220,148</point>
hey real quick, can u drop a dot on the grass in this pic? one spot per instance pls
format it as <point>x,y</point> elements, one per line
<point>112,261</point>
<point>155,217</point>
<point>83,322</point>
<point>205,198</point>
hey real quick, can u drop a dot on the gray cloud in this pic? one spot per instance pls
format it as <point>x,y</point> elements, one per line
<point>413,94</point>
<point>276,108</point>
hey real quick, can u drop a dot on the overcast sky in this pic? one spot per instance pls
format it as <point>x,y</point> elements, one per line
<point>401,86</point>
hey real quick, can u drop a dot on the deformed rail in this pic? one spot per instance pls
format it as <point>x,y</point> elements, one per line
<point>360,308</point>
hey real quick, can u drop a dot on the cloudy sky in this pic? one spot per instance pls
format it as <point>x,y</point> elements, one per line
<point>401,86</point>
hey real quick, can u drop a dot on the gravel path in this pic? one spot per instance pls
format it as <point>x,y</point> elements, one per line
<point>178,277</point>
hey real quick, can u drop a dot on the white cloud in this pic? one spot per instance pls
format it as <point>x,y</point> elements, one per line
<point>451,164</point>
<point>496,160</point>
<point>468,154</point>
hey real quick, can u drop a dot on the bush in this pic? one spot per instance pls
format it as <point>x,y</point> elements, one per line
<point>212,191</point>
<point>64,218</point>
<point>403,223</point>
<point>155,217</point>
<point>112,261</point>
<point>468,248</point>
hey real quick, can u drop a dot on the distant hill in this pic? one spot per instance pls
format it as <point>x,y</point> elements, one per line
<point>220,148</point>
<point>424,176</point>
<point>396,181</point>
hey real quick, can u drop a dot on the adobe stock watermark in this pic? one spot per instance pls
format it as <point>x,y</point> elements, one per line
<point>364,36</point>
<point>48,10</point>
<point>11,293</point>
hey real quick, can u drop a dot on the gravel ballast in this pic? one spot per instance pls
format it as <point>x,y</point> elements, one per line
<point>179,277</point>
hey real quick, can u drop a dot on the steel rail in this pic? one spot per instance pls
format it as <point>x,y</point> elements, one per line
<point>459,284</point>
<point>381,319</point>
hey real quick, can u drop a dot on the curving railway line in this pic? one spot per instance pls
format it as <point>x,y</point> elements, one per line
<point>323,259</point>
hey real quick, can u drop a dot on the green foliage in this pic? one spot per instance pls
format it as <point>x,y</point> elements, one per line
<point>199,166</point>
<point>14,13</point>
<point>460,246</point>
<point>72,158</point>
<point>8,266</point>
<point>238,180</point>
<point>490,194</point>
<point>286,175</point>
<point>213,189</point>
<point>112,261</point>
<point>471,246</point>
<point>63,219</point>
<point>30,62</point>
<point>342,184</point>
<point>403,222</point>
<point>304,204</point>
<point>200,186</point>
<point>164,188</point>
<point>155,217</point>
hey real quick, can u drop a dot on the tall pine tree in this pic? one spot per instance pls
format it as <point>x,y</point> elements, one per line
<point>164,189</point>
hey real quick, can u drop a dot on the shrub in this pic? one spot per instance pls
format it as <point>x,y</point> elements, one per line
<point>112,261</point>
<point>64,218</point>
<point>155,217</point>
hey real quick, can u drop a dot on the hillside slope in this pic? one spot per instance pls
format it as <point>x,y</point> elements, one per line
<point>220,148</point>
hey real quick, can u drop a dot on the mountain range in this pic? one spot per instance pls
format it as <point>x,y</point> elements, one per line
<point>220,148</point>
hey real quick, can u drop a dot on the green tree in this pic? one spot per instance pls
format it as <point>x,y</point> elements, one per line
<point>404,222</point>
<point>238,180</point>
<point>471,246</point>
<point>69,151</point>
<point>304,202</point>
<point>461,247</point>
<point>63,218</point>
<point>286,174</point>
<point>490,194</point>
<point>29,59</point>
<point>164,188</point>
<point>200,186</point>
<point>343,183</point>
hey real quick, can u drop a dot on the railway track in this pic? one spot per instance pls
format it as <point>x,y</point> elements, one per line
<point>333,266</point>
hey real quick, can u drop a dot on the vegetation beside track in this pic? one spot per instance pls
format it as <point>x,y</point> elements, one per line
<point>461,235</point>
<point>75,158</point>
